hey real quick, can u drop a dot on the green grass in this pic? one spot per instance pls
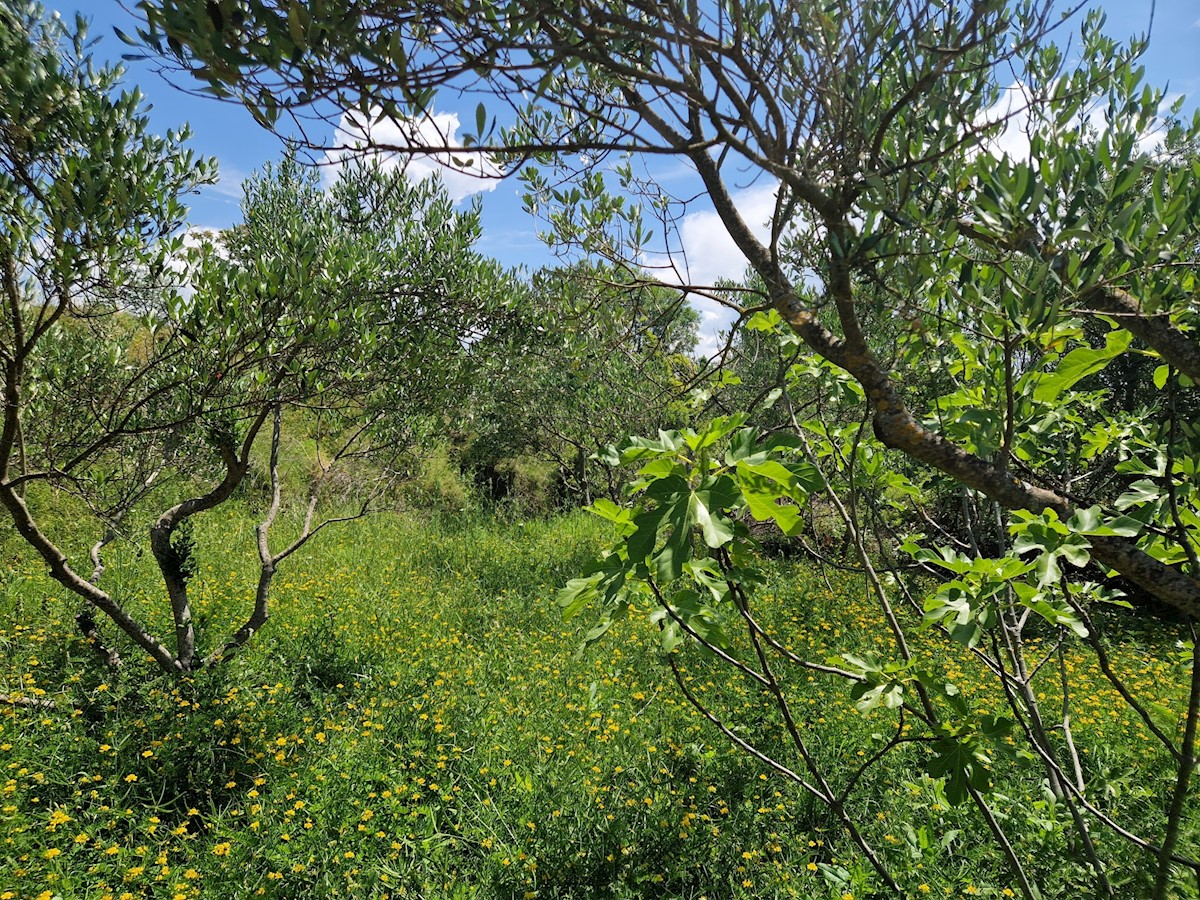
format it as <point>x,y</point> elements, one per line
<point>414,722</point>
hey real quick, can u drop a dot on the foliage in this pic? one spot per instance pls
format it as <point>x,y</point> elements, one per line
<point>90,205</point>
<point>438,484</point>
<point>593,354</point>
<point>1024,279</point>
<point>684,556</point>
<point>934,226</point>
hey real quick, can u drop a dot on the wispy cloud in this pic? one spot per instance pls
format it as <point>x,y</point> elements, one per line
<point>229,183</point>
<point>417,146</point>
<point>703,253</point>
<point>1013,112</point>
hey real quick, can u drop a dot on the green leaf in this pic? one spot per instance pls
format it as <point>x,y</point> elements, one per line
<point>577,593</point>
<point>1080,363</point>
<point>670,635</point>
<point>962,764</point>
<point>609,455</point>
<point>620,516</point>
<point>773,478</point>
<point>638,448</point>
<point>866,664</point>
<point>1075,551</point>
<point>661,468</point>
<point>1140,492</point>
<point>1091,521</point>
<point>597,631</point>
<point>717,529</point>
<point>944,557</point>
<point>715,430</point>
<point>1127,175</point>
<point>676,550</point>
<point>763,494</point>
<point>955,608</point>
<point>647,523</point>
<point>606,509</point>
<point>1046,567</point>
<point>743,445</point>
<point>868,697</point>
<point>702,620</point>
<point>764,320</point>
<point>705,573</point>
<point>298,24</point>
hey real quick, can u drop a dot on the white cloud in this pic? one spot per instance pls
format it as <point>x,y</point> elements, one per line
<point>180,264</point>
<point>403,144</point>
<point>229,182</point>
<point>702,253</point>
<point>1013,111</point>
<point>715,322</point>
<point>706,254</point>
<point>199,235</point>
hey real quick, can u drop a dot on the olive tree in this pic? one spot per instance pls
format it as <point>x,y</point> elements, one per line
<point>139,379</point>
<point>89,217</point>
<point>591,356</point>
<point>359,310</point>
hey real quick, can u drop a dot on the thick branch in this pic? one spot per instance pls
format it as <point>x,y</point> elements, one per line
<point>1156,331</point>
<point>896,427</point>
<point>62,572</point>
<point>236,462</point>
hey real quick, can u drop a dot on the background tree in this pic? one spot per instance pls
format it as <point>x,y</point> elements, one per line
<point>362,308</point>
<point>91,210</point>
<point>592,356</point>
<point>833,103</point>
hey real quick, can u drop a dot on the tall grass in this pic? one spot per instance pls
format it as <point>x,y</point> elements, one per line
<point>414,722</point>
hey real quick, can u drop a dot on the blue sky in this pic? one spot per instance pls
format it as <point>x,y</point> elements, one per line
<point>227,132</point>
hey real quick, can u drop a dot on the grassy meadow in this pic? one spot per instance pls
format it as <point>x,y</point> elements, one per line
<point>414,722</point>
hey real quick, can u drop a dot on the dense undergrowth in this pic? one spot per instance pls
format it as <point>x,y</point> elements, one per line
<point>414,722</point>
